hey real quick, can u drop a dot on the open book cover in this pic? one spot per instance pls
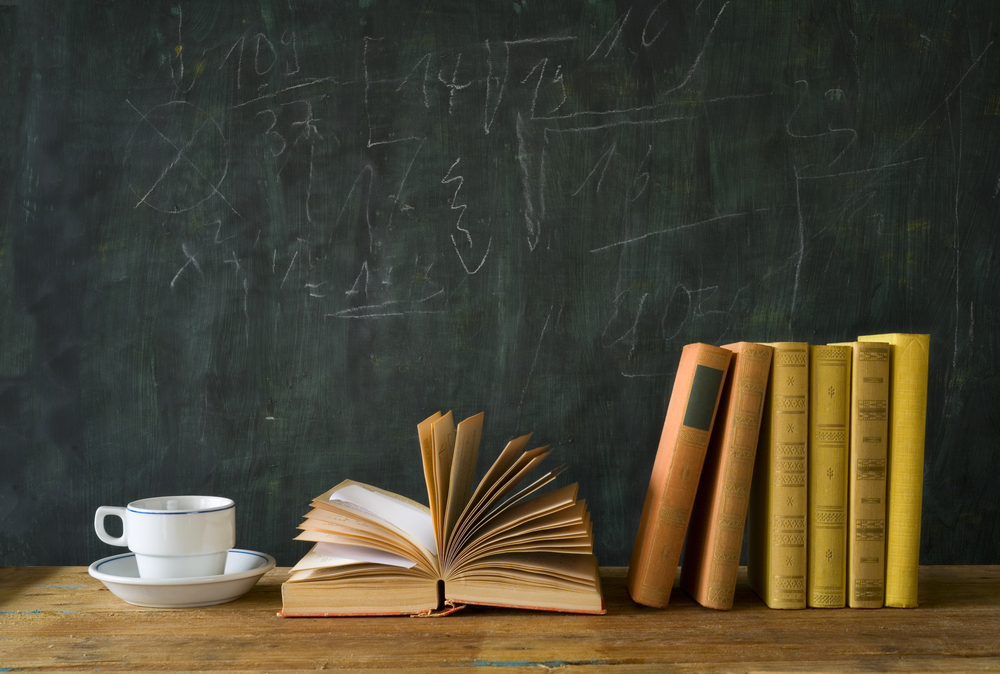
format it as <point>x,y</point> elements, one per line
<point>508,542</point>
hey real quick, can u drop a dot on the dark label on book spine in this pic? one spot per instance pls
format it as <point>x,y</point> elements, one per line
<point>704,394</point>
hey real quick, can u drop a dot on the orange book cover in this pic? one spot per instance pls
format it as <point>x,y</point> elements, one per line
<point>715,533</point>
<point>694,401</point>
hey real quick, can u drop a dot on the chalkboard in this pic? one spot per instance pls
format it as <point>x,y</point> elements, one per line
<point>246,247</point>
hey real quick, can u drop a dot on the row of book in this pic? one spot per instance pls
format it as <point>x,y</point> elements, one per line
<point>813,441</point>
<point>821,445</point>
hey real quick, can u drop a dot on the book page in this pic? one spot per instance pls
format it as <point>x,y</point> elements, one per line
<point>316,560</point>
<point>580,568</point>
<point>443,435</point>
<point>329,556</point>
<point>511,511</point>
<point>463,471</point>
<point>574,536</point>
<point>397,511</point>
<point>314,534</point>
<point>361,527</point>
<point>534,519</point>
<point>357,553</point>
<point>425,431</point>
<point>483,502</point>
<point>499,468</point>
<point>356,573</point>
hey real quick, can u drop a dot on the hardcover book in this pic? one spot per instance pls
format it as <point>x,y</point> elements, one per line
<point>829,434</point>
<point>869,458</point>
<point>908,364</point>
<point>378,553</point>
<point>694,401</point>
<point>776,554</point>
<point>715,533</point>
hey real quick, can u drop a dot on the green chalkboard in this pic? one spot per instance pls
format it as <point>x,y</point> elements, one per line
<point>246,247</point>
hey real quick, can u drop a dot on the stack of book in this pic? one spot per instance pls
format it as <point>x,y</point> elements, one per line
<point>821,445</point>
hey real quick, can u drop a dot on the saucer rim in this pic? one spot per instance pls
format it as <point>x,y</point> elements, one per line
<point>269,563</point>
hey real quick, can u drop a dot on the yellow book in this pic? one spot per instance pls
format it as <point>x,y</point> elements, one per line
<point>776,552</point>
<point>908,362</point>
<point>868,456</point>
<point>829,429</point>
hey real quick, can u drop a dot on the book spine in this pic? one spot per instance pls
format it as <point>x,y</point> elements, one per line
<point>829,429</point>
<point>908,362</point>
<point>694,401</point>
<point>869,456</point>
<point>715,533</point>
<point>777,552</point>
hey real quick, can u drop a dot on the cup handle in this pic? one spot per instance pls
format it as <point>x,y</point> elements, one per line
<point>115,511</point>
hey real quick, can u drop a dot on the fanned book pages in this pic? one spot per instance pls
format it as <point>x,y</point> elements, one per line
<point>694,402</point>
<point>506,543</point>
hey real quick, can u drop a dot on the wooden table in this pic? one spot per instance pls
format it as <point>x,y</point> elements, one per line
<point>61,618</point>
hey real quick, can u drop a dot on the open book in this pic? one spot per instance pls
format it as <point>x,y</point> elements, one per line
<point>506,543</point>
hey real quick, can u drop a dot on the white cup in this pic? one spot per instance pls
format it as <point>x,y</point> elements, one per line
<point>174,536</point>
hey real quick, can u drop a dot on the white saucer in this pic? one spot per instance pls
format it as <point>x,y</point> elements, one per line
<point>120,574</point>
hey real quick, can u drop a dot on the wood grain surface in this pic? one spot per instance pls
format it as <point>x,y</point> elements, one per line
<point>59,618</point>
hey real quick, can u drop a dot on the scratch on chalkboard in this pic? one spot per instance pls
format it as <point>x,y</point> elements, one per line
<point>668,231</point>
<point>311,82</point>
<point>874,169</point>
<point>697,60</point>
<point>190,260</point>
<point>388,309</point>
<point>295,256</point>
<point>604,159</point>
<point>402,183</point>
<point>831,131</point>
<point>617,30</point>
<point>534,361</point>
<point>947,98</point>
<point>365,171</point>
<point>800,252</point>
<point>372,142</point>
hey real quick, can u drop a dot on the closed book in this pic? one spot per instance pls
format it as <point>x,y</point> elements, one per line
<point>829,432</point>
<point>868,463</point>
<point>908,364</point>
<point>776,550</point>
<point>715,532</point>
<point>694,401</point>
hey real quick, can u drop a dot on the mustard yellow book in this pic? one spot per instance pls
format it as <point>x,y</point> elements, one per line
<point>908,364</point>
<point>868,456</point>
<point>776,551</point>
<point>829,428</point>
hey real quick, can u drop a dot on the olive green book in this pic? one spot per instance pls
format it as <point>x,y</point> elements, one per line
<point>829,429</point>
<point>868,459</point>
<point>908,364</point>
<point>776,551</point>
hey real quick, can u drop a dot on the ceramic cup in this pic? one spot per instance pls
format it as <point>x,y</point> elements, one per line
<point>174,536</point>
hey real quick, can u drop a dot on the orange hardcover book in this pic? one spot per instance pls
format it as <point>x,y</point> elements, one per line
<point>680,455</point>
<point>715,533</point>
<point>506,544</point>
